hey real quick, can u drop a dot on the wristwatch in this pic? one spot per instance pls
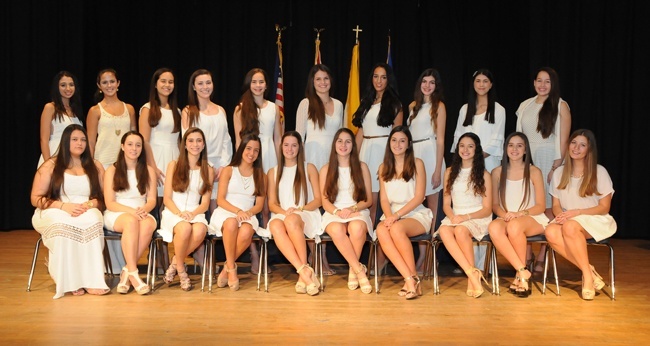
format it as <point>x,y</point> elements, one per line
<point>355,208</point>
<point>90,204</point>
<point>526,212</point>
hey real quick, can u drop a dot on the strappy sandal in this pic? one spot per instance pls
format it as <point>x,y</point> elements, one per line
<point>513,286</point>
<point>234,286</point>
<point>599,284</point>
<point>171,272</point>
<point>124,284</point>
<point>417,291</point>
<point>525,288</point>
<point>364,282</point>
<point>141,288</point>
<point>470,273</point>
<point>314,287</point>
<point>301,288</point>
<point>186,283</point>
<point>353,281</point>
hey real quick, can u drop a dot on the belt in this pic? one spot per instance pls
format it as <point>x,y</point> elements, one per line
<point>372,137</point>
<point>422,140</point>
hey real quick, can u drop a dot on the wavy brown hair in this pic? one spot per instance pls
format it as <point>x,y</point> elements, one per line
<point>332,177</point>
<point>121,179</point>
<point>181,177</point>
<point>258,170</point>
<point>249,110</point>
<point>505,164</point>
<point>154,102</point>
<point>435,98</point>
<point>589,184</point>
<point>388,171</point>
<point>300,180</point>
<point>476,177</point>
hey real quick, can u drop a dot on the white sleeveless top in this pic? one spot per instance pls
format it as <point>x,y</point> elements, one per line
<point>110,130</point>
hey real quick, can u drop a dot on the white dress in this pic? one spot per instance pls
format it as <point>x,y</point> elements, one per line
<point>241,195</point>
<point>464,201</point>
<point>318,142</point>
<point>345,199</point>
<point>110,130</point>
<point>163,142</point>
<point>373,149</point>
<point>217,141</point>
<point>130,198</point>
<point>185,201</point>
<point>544,150</point>
<point>76,243</point>
<point>598,226</point>
<point>491,135</point>
<point>312,219</point>
<point>57,131</point>
<point>266,118</point>
<point>514,197</point>
<point>401,192</point>
<point>425,147</point>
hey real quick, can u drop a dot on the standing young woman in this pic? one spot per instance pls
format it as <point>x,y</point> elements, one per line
<point>467,203</point>
<point>188,185</point>
<point>318,118</point>
<point>130,195</point>
<point>256,115</point>
<point>345,193</point>
<point>582,195</point>
<point>402,180</point>
<point>518,203</point>
<point>295,215</point>
<point>160,125</point>
<point>485,117</point>
<point>201,112</point>
<point>242,192</point>
<point>546,120</point>
<point>109,120</point>
<point>427,122</point>
<point>63,110</point>
<point>67,192</point>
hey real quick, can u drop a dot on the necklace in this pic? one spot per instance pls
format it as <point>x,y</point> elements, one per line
<point>577,176</point>
<point>246,181</point>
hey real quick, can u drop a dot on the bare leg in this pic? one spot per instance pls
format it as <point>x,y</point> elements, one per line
<point>398,247</point>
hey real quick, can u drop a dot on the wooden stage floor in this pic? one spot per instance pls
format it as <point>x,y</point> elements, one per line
<point>336,316</point>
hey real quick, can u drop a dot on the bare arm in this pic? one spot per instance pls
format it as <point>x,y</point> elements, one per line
<point>359,138</point>
<point>205,198</point>
<point>145,131</point>
<point>46,130</point>
<point>441,123</point>
<point>274,203</point>
<point>92,121</point>
<point>314,204</point>
<point>134,123</point>
<point>236,118</point>
<point>327,205</point>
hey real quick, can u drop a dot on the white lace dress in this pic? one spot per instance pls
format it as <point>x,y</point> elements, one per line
<point>464,201</point>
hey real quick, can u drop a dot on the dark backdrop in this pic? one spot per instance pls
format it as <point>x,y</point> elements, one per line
<point>598,48</point>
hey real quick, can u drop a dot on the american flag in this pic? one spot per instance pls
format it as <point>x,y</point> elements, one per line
<point>279,85</point>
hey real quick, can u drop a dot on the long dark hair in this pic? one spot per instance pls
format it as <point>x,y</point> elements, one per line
<point>62,161</point>
<point>390,103</point>
<point>192,107</point>
<point>249,110</point>
<point>505,164</point>
<point>435,98</point>
<point>121,179</point>
<point>589,184</point>
<point>258,170</point>
<point>98,97</point>
<point>478,167</point>
<point>388,169</point>
<point>154,101</point>
<point>181,177</point>
<point>332,177</point>
<point>471,99</point>
<point>316,112</point>
<point>300,180</point>
<point>75,100</point>
<point>550,109</point>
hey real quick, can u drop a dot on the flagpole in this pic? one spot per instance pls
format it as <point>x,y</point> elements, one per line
<point>317,56</point>
<point>279,74</point>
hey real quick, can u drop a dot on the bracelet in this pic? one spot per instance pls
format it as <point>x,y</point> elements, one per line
<point>61,206</point>
<point>468,217</point>
<point>399,217</point>
<point>237,212</point>
<point>525,212</point>
<point>336,211</point>
<point>355,208</point>
<point>300,208</point>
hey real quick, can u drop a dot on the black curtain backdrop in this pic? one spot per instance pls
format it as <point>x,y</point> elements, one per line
<point>598,48</point>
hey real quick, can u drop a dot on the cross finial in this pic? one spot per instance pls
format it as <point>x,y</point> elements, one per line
<point>356,35</point>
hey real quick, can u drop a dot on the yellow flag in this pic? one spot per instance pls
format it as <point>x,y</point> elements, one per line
<point>353,100</point>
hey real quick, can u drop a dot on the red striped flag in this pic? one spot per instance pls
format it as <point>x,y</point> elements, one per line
<point>279,85</point>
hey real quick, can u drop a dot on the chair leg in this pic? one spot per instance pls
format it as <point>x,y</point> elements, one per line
<point>150,263</point>
<point>611,271</point>
<point>206,253</point>
<point>495,272</point>
<point>557,280</point>
<point>31,273</point>
<point>436,287</point>
<point>266,265</point>
<point>107,260</point>
<point>373,245</point>
<point>319,253</point>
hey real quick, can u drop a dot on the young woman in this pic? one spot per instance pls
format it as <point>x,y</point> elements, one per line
<point>201,112</point>
<point>402,180</point>
<point>130,195</point>
<point>294,201</point>
<point>546,120</point>
<point>318,118</point>
<point>242,191</point>
<point>582,195</point>
<point>109,120</point>
<point>467,203</point>
<point>63,110</point>
<point>188,185</point>
<point>345,193</point>
<point>427,122</point>
<point>485,117</point>
<point>518,203</point>
<point>256,115</point>
<point>160,125</point>
<point>67,192</point>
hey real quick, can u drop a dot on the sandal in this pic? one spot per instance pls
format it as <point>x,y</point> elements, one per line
<point>234,286</point>
<point>79,292</point>
<point>470,273</point>
<point>314,287</point>
<point>171,272</point>
<point>124,284</point>
<point>525,288</point>
<point>364,282</point>
<point>417,291</point>
<point>598,280</point>
<point>353,282</point>
<point>513,286</point>
<point>141,288</point>
<point>186,283</point>
<point>300,287</point>
<point>587,294</point>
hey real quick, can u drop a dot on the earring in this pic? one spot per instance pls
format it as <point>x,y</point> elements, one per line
<point>101,92</point>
